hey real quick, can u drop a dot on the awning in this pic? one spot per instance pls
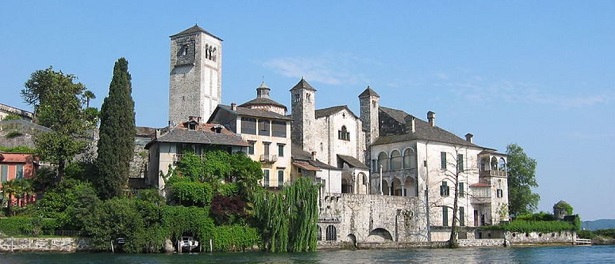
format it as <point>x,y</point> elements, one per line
<point>305,165</point>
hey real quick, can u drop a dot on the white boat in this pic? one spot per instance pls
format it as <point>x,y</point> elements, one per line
<point>187,243</point>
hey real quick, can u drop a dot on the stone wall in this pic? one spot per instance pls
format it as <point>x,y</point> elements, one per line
<point>564,237</point>
<point>64,244</point>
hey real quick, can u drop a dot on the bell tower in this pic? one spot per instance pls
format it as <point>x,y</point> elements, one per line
<point>195,86</point>
<point>303,112</point>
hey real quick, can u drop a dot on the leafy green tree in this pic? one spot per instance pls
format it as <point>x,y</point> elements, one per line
<point>58,105</point>
<point>521,180</point>
<point>70,203</point>
<point>117,132</point>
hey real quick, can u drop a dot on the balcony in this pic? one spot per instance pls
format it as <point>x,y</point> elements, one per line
<point>178,157</point>
<point>268,158</point>
<point>492,173</point>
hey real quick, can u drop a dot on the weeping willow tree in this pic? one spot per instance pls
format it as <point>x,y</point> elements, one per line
<point>287,220</point>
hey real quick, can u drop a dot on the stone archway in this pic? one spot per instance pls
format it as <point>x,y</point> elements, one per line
<point>385,187</point>
<point>380,235</point>
<point>396,187</point>
<point>410,187</point>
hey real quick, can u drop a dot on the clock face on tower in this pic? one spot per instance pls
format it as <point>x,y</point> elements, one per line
<point>185,51</point>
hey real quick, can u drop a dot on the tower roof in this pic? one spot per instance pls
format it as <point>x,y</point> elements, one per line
<point>368,92</point>
<point>193,30</point>
<point>303,84</point>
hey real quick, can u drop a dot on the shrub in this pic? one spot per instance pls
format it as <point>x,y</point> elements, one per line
<point>191,193</point>
<point>234,238</point>
<point>27,226</point>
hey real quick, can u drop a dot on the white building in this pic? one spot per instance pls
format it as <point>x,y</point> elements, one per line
<point>263,123</point>
<point>332,135</point>
<point>415,158</point>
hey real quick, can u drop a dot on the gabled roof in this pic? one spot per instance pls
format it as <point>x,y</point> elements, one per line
<point>352,161</point>
<point>303,84</point>
<point>301,155</point>
<point>204,134</point>
<point>248,112</point>
<point>423,130</point>
<point>194,29</point>
<point>332,110</point>
<point>368,92</point>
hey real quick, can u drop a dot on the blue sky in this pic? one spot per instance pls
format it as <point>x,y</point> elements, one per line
<point>537,73</point>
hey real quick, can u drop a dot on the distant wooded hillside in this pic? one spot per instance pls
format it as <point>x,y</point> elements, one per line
<point>598,224</point>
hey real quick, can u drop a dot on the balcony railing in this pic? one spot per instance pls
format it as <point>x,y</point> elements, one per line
<point>269,158</point>
<point>481,195</point>
<point>178,157</point>
<point>492,173</point>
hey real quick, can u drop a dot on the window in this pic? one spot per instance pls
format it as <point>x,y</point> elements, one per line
<point>409,159</point>
<point>331,233</point>
<point>192,126</point>
<point>343,134</point>
<point>248,125</point>
<point>499,193</point>
<point>19,171</point>
<point>459,162</point>
<point>444,189</point>
<point>280,178</point>
<point>280,150</point>
<point>443,160</point>
<point>462,216</point>
<point>382,161</point>
<point>278,129</point>
<point>444,216</point>
<point>251,147</point>
<point>396,160</point>
<point>374,165</point>
<point>297,98</point>
<point>319,234</point>
<point>4,171</point>
<point>264,128</point>
<point>266,148</point>
<point>461,190</point>
<point>266,178</point>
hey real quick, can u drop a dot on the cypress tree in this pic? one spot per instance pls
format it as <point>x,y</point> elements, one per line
<point>117,132</point>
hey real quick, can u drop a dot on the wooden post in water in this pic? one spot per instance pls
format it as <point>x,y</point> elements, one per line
<point>179,246</point>
<point>211,245</point>
<point>112,249</point>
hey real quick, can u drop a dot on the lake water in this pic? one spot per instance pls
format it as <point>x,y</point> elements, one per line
<point>569,254</point>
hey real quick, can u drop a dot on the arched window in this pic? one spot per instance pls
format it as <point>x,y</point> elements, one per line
<point>484,163</point>
<point>502,164</point>
<point>319,233</point>
<point>395,160</point>
<point>382,161</point>
<point>494,163</point>
<point>343,134</point>
<point>409,159</point>
<point>331,233</point>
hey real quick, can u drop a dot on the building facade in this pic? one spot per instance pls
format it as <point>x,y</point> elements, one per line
<point>263,123</point>
<point>191,136</point>
<point>333,135</point>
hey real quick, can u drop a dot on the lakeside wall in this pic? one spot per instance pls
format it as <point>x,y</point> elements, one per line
<point>34,244</point>
<point>68,244</point>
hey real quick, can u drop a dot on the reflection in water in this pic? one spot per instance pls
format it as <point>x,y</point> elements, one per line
<point>579,254</point>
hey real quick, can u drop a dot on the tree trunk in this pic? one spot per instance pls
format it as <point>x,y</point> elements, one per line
<point>452,242</point>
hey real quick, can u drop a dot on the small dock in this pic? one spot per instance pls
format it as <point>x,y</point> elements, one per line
<point>583,242</point>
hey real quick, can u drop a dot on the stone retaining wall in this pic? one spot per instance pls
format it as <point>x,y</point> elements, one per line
<point>58,244</point>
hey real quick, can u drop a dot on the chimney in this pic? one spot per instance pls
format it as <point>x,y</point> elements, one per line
<point>469,137</point>
<point>313,155</point>
<point>431,117</point>
<point>410,124</point>
<point>234,106</point>
<point>157,133</point>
